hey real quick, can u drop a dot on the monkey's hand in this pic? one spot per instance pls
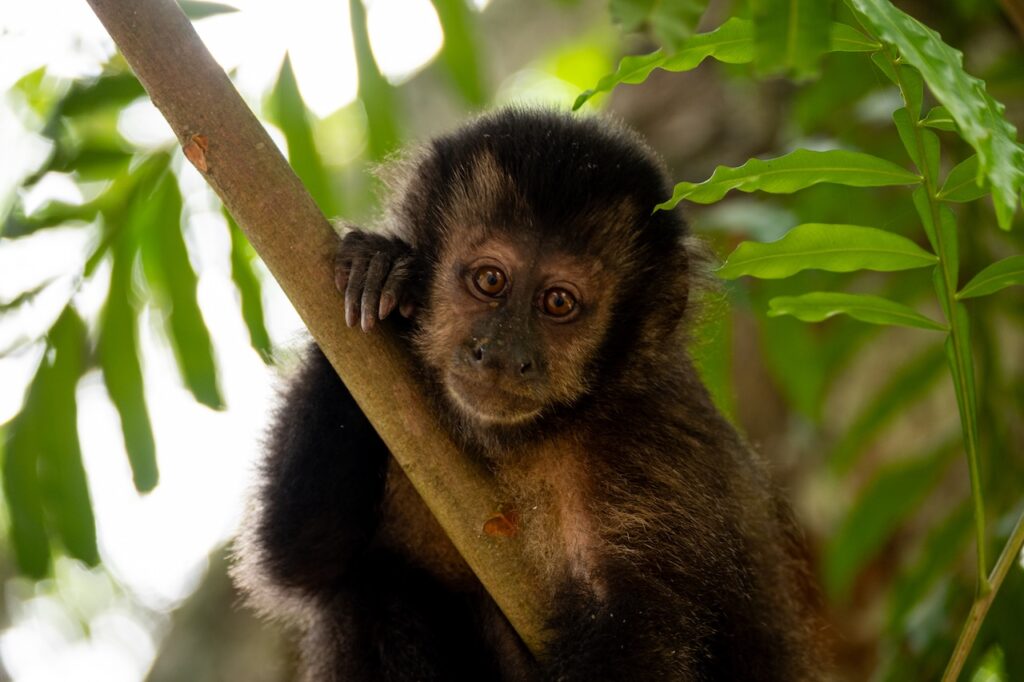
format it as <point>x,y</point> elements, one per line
<point>376,274</point>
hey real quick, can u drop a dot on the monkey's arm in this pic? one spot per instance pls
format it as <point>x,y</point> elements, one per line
<point>322,482</point>
<point>325,470</point>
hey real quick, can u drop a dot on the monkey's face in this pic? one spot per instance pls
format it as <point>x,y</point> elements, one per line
<point>512,327</point>
<point>551,277</point>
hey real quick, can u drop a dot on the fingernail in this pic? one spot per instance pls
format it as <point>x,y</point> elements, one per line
<point>351,314</point>
<point>387,304</point>
<point>407,309</point>
<point>367,321</point>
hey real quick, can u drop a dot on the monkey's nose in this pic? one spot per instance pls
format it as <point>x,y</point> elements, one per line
<point>486,356</point>
<point>498,359</point>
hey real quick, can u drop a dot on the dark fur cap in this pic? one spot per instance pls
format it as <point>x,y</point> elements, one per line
<point>564,170</point>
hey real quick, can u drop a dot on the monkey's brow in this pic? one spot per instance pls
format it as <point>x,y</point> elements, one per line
<point>504,249</point>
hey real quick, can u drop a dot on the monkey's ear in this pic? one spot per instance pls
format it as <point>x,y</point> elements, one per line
<point>683,285</point>
<point>687,276</point>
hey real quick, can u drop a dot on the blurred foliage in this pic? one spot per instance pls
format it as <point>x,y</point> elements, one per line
<point>670,22</point>
<point>877,197</point>
<point>793,38</point>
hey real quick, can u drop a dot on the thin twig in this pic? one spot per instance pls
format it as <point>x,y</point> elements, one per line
<point>1011,551</point>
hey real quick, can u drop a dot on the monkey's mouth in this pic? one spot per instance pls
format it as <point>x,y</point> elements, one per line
<point>489,402</point>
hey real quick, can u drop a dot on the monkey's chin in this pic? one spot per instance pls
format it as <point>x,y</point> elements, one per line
<point>489,404</point>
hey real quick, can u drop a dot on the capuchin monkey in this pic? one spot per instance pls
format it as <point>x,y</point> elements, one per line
<point>546,302</point>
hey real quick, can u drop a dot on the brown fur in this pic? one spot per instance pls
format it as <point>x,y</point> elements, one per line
<point>411,528</point>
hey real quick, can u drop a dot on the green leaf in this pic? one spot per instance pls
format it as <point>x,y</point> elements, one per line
<point>907,384</point>
<point>196,10</point>
<point>243,274</point>
<point>895,492</point>
<point>633,69</point>
<point>288,111</point>
<point>22,495</point>
<point>97,164</point>
<point>791,35</point>
<point>962,182</point>
<point>961,365</point>
<point>995,277</point>
<point>912,86</point>
<point>671,21</point>
<point>174,282</point>
<point>39,92</point>
<point>100,156</point>
<point>794,171</point>
<point>922,145</point>
<point>978,116</point>
<point>375,93</point>
<point>61,473</point>
<point>940,119</point>
<point>44,480</point>
<point>461,51</point>
<point>113,90</point>
<point>821,305</point>
<point>24,297</point>
<point>119,359</point>
<point>845,38</point>
<point>819,246</point>
<point>51,214</point>
<point>944,234</point>
<point>951,262</point>
<point>924,211</point>
<point>730,43</point>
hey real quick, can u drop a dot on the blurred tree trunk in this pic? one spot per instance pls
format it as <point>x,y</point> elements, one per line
<point>212,640</point>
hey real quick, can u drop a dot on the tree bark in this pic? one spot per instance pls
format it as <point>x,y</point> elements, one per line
<point>226,143</point>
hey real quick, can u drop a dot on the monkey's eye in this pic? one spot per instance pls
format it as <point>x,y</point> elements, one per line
<point>558,302</point>
<point>490,281</point>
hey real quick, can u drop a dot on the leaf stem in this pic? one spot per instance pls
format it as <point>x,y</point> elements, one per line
<point>981,604</point>
<point>960,356</point>
<point>963,382</point>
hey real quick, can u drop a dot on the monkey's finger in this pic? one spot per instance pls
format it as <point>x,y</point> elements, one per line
<point>375,274</point>
<point>352,242</point>
<point>341,269</point>
<point>348,250</point>
<point>354,291</point>
<point>396,283</point>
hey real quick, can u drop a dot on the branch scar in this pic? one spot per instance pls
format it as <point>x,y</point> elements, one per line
<point>195,151</point>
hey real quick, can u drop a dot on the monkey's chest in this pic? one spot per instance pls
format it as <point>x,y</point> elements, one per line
<point>409,528</point>
<point>553,523</point>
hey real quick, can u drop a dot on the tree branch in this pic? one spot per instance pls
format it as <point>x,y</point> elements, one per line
<point>223,139</point>
<point>1014,9</point>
